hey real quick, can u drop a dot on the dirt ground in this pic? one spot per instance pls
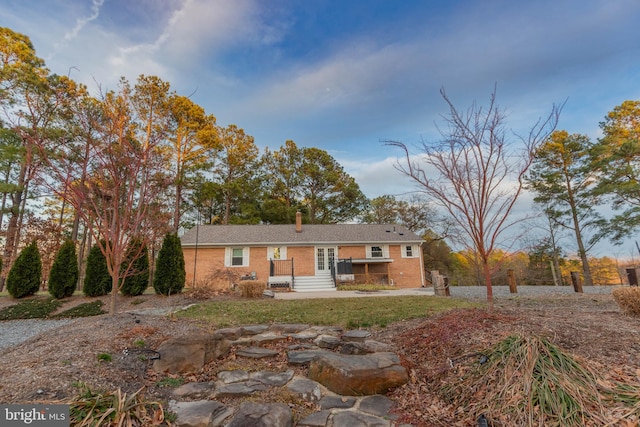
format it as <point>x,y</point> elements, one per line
<point>590,327</point>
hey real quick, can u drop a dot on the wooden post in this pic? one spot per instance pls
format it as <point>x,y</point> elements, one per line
<point>446,285</point>
<point>577,283</point>
<point>439,285</point>
<point>512,281</point>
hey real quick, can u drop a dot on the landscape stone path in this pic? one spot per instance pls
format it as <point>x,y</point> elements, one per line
<point>347,377</point>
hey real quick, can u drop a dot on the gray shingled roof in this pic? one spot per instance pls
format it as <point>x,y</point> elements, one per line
<point>256,235</point>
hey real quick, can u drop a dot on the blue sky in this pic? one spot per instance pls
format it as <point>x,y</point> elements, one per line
<point>342,75</point>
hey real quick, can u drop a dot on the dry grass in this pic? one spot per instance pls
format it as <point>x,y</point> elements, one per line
<point>628,299</point>
<point>528,381</point>
<point>251,288</point>
<point>90,408</point>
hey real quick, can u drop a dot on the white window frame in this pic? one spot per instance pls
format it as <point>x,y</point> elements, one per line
<point>228,256</point>
<point>272,249</point>
<point>385,251</point>
<point>414,251</point>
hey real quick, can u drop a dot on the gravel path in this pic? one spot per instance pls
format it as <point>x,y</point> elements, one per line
<point>14,332</point>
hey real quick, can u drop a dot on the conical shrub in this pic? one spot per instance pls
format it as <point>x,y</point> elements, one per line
<point>137,280</point>
<point>63,277</point>
<point>170,273</point>
<point>24,276</point>
<point>97,281</point>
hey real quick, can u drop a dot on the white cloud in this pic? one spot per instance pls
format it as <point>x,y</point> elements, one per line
<point>82,22</point>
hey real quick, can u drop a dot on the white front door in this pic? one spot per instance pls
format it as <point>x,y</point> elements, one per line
<point>325,256</point>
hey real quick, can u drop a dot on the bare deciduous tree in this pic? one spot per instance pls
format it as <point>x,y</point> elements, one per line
<point>475,173</point>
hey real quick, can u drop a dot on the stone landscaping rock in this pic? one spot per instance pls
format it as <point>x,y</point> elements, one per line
<point>189,354</point>
<point>230,333</point>
<point>237,375</point>
<point>358,375</point>
<point>356,335</point>
<point>304,335</point>
<point>267,337</point>
<point>358,419</point>
<point>355,348</point>
<point>317,419</point>
<point>306,389</point>
<point>288,328</point>
<point>195,391</point>
<point>251,414</point>
<point>377,347</point>
<point>256,352</point>
<point>254,329</point>
<point>305,356</point>
<point>376,405</point>
<point>244,388</point>
<point>327,341</point>
<point>337,402</point>
<point>203,413</point>
<point>365,368</point>
<point>273,379</point>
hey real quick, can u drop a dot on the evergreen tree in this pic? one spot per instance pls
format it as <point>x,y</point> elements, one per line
<point>63,277</point>
<point>170,273</point>
<point>97,281</point>
<point>24,276</point>
<point>137,280</point>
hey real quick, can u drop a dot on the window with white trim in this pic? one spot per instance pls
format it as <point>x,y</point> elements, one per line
<point>236,257</point>
<point>410,251</point>
<point>378,251</point>
<point>277,252</point>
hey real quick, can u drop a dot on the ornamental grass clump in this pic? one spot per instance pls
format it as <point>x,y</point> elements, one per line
<point>628,299</point>
<point>251,288</point>
<point>91,408</point>
<point>528,381</point>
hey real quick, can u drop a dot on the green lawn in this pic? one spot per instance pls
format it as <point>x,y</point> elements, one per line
<point>345,312</point>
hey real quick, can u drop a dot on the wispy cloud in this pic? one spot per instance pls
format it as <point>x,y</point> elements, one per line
<point>82,22</point>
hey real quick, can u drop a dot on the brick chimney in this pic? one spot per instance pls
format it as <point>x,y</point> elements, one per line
<point>298,222</point>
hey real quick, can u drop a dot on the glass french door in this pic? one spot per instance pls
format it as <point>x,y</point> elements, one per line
<point>325,256</point>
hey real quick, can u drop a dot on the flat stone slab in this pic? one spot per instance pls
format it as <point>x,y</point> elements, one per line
<point>305,388</point>
<point>254,329</point>
<point>288,328</point>
<point>356,335</point>
<point>273,379</point>
<point>252,414</point>
<point>337,402</point>
<point>244,388</point>
<point>349,375</point>
<point>195,391</point>
<point>376,405</point>
<point>202,413</point>
<point>358,419</point>
<point>235,376</point>
<point>327,341</point>
<point>256,352</point>
<point>317,419</point>
<point>267,337</point>
<point>304,356</point>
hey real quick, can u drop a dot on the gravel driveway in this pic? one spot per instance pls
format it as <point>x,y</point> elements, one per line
<point>14,332</point>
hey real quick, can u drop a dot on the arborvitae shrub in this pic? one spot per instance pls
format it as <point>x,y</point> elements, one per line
<point>138,279</point>
<point>97,280</point>
<point>170,274</point>
<point>63,277</point>
<point>24,276</point>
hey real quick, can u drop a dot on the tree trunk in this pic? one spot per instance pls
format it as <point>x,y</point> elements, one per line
<point>487,281</point>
